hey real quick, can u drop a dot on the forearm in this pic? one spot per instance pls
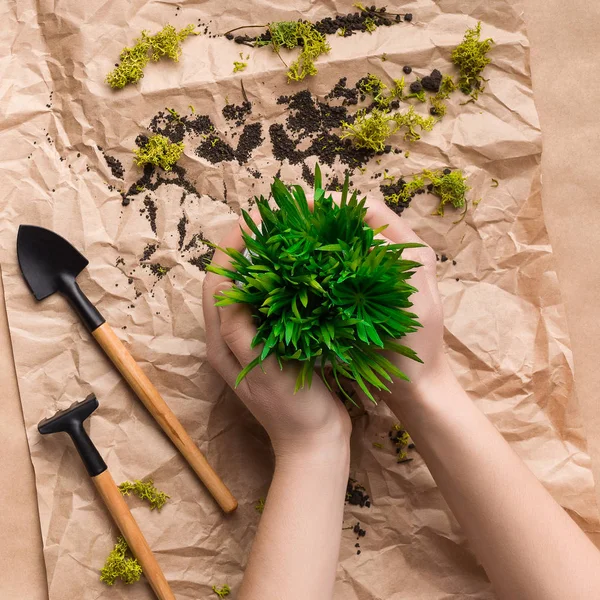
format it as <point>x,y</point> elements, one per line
<point>528,545</point>
<point>295,553</point>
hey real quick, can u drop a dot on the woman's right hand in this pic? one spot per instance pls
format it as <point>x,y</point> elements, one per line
<point>428,341</point>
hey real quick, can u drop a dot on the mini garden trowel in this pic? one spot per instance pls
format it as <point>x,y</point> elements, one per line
<point>50,264</point>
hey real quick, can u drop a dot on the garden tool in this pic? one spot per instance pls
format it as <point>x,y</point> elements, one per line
<point>50,264</point>
<point>71,421</point>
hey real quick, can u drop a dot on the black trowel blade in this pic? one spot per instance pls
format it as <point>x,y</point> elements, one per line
<point>46,259</point>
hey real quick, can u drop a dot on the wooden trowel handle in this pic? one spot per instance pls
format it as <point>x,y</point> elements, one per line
<point>165,417</point>
<point>120,512</point>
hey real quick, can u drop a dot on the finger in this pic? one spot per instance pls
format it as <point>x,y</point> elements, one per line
<point>214,282</point>
<point>237,330</point>
<point>218,353</point>
<point>233,239</point>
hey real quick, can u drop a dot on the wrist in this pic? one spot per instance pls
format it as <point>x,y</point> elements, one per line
<point>427,390</point>
<point>331,450</point>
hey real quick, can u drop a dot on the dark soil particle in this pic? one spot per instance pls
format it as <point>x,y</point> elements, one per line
<point>416,87</point>
<point>237,113</point>
<point>358,531</point>
<point>153,178</point>
<point>355,495</point>
<point>308,175</point>
<point>407,70</point>
<point>313,120</point>
<point>215,150</point>
<point>151,212</point>
<point>432,82</point>
<point>203,260</point>
<point>141,140</point>
<point>114,164</point>
<point>159,271</point>
<point>182,230</point>
<point>390,189</point>
<point>444,258</point>
<point>250,139</point>
<point>149,250</point>
<point>349,95</point>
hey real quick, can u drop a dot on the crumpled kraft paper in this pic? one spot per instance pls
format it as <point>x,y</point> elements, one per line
<point>505,327</point>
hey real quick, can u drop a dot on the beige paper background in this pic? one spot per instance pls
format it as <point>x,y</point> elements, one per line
<point>365,460</point>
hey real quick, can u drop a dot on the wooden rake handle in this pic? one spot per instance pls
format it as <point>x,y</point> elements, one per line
<point>120,512</point>
<point>164,416</point>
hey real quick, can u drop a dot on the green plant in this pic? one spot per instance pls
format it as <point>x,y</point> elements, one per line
<point>223,591</point>
<point>450,187</point>
<point>166,42</point>
<point>470,56</point>
<point>159,151</point>
<point>313,45</point>
<point>369,130</point>
<point>411,120</point>
<point>120,565</point>
<point>144,490</point>
<point>372,129</point>
<point>323,287</point>
<point>239,66</point>
<point>259,507</point>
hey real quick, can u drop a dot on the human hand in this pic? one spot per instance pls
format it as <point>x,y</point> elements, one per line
<point>428,341</point>
<point>311,423</point>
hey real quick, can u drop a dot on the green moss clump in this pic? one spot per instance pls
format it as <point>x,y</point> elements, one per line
<point>159,151</point>
<point>120,565</point>
<point>145,490</point>
<point>370,25</point>
<point>239,66</point>
<point>447,87</point>
<point>313,45</point>
<point>411,120</point>
<point>372,130</point>
<point>471,58</point>
<point>223,591</point>
<point>374,87</point>
<point>451,188</point>
<point>438,104</point>
<point>284,34</point>
<point>166,42</point>
<point>292,34</point>
<point>369,130</point>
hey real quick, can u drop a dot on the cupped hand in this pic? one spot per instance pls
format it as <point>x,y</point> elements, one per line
<point>309,422</point>
<point>428,340</point>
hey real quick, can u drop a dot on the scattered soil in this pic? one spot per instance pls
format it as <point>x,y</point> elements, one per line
<point>355,494</point>
<point>182,229</point>
<point>237,113</point>
<point>203,260</point>
<point>151,210</point>
<point>348,24</point>
<point>114,164</point>
<point>391,188</point>
<point>149,250</point>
